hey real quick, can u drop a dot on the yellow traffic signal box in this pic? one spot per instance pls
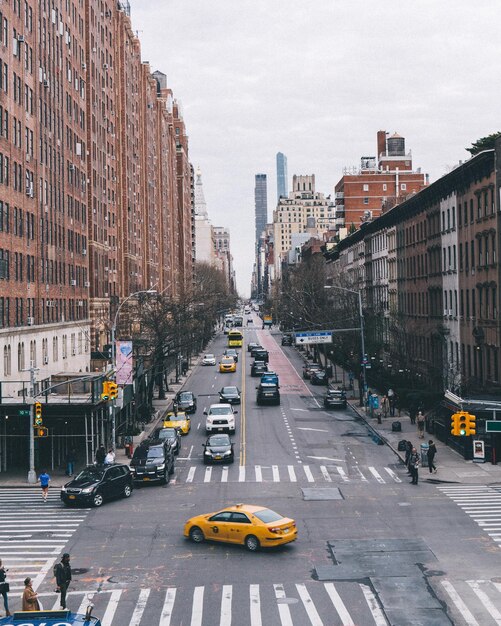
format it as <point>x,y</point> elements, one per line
<point>38,414</point>
<point>106,390</point>
<point>463,424</point>
<point>41,431</point>
<point>113,390</point>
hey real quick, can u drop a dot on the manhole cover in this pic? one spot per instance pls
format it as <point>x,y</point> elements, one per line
<point>79,570</point>
<point>128,578</point>
<point>287,601</point>
<point>321,493</point>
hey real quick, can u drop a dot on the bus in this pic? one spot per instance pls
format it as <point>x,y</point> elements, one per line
<point>238,320</point>
<point>235,339</point>
<point>51,618</point>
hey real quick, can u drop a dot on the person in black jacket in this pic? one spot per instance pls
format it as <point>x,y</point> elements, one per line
<point>63,577</point>
<point>432,451</point>
<point>100,455</point>
<point>414,466</point>
<point>408,451</point>
<point>4,587</point>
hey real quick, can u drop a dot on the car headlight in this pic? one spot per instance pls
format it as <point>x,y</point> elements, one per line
<point>63,488</point>
<point>161,467</point>
<point>208,452</point>
<point>227,453</point>
<point>87,490</point>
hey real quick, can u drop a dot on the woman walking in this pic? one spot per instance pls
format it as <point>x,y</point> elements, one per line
<point>4,588</point>
<point>30,597</point>
<point>420,424</point>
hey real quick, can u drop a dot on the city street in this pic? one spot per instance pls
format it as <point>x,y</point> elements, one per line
<point>371,548</point>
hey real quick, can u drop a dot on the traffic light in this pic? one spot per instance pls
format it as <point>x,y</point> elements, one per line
<point>463,424</point>
<point>106,390</point>
<point>41,431</point>
<point>38,414</point>
<point>113,390</point>
<point>471,425</point>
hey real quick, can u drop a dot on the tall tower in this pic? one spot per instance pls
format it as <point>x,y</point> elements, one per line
<point>261,205</point>
<point>282,188</point>
<point>200,204</point>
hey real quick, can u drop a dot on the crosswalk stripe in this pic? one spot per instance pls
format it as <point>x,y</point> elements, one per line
<point>283,609</point>
<point>224,475</point>
<point>341,609</point>
<point>374,608</point>
<point>112,607</point>
<point>292,473</point>
<point>226,606</point>
<point>139,608</point>
<point>309,475</point>
<point>357,469</point>
<point>459,604</point>
<point>208,474</point>
<point>86,600</point>
<point>276,473</point>
<point>342,473</point>
<point>241,474</point>
<point>255,605</point>
<point>168,607</point>
<point>325,473</point>
<point>191,474</point>
<point>376,474</point>
<point>392,474</point>
<point>308,605</point>
<point>484,598</point>
<point>259,474</point>
<point>198,606</point>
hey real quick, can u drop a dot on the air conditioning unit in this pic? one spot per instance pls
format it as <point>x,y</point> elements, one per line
<point>450,312</point>
<point>46,84</point>
<point>86,283</point>
<point>29,191</point>
<point>73,352</point>
<point>28,158</point>
<point>84,251</point>
<point>72,167</point>
<point>73,282</point>
<point>30,321</point>
<point>84,66</point>
<point>105,66</point>
<point>46,360</point>
<point>20,38</point>
<point>80,303</point>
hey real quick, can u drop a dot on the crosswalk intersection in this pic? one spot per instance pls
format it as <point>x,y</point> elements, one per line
<point>33,533</point>
<point>481,503</point>
<point>287,473</point>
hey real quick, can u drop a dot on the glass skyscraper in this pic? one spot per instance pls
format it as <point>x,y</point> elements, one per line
<point>261,205</point>
<point>282,188</point>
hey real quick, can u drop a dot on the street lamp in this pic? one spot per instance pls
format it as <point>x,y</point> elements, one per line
<point>114,352</point>
<point>362,337</point>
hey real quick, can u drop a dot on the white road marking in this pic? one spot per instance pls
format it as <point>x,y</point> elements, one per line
<point>259,474</point>
<point>316,430</point>
<point>374,608</point>
<point>112,607</point>
<point>188,458</point>
<point>486,601</point>
<point>191,474</point>
<point>325,458</point>
<point>255,606</point>
<point>392,474</point>
<point>292,473</point>
<point>139,608</point>
<point>283,609</point>
<point>226,606</point>
<point>460,605</point>
<point>342,611</point>
<point>304,410</point>
<point>86,600</point>
<point>376,474</point>
<point>224,475</point>
<point>309,475</point>
<point>208,473</point>
<point>241,474</point>
<point>342,473</point>
<point>357,469</point>
<point>168,607</point>
<point>325,473</point>
<point>198,606</point>
<point>276,473</point>
<point>308,605</point>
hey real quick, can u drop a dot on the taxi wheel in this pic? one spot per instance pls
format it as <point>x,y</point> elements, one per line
<point>252,543</point>
<point>196,535</point>
<point>127,491</point>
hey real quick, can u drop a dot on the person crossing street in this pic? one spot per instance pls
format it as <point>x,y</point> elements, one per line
<point>4,588</point>
<point>44,480</point>
<point>63,577</point>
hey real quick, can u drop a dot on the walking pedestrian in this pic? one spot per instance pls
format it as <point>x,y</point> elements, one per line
<point>44,480</point>
<point>63,577</point>
<point>30,597</point>
<point>412,413</point>
<point>432,451</point>
<point>420,424</point>
<point>414,466</point>
<point>70,462</point>
<point>385,405</point>
<point>110,457</point>
<point>4,588</point>
<point>408,452</point>
<point>391,401</point>
<point>100,455</point>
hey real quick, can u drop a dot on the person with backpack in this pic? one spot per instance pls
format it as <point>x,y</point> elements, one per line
<point>62,572</point>
<point>414,466</point>
<point>4,589</point>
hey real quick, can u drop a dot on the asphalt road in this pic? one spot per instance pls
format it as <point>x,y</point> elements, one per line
<point>376,551</point>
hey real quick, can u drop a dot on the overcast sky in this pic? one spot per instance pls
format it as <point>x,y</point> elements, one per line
<point>316,80</point>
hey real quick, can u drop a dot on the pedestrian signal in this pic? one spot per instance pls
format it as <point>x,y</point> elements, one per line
<point>41,431</point>
<point>113,390</point>
<point>106,391</point>
<point>463,424</point>
<point>38,413</point>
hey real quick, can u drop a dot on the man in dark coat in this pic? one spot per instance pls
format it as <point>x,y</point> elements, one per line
<point>414,465</point>
<point>100,455</point>
<point>432,451</point>
<point>63,577</point>
<point>408,451</point>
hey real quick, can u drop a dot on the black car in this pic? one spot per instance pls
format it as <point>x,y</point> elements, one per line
<point>97,483</point>
<point>172,435</point>
<point>153,460</point>
<point>268,393</point>
<point>319,377</point>
<point>261,355</point>
<point>335,398</point>
<point>231,352</point>
<point>256,348</point>
<point>252,345</point>
<point>287,340</point>
<point>258,368</point>
<point>230,395</point>
<point>218,449</point>
<point>186,401</point>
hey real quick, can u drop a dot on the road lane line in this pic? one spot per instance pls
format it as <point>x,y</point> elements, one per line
<point>376,474</point>
<point>198,606</point>
<point>112,607</point>
<point>168,607</point>
<point>342,611</point>
<point>224,475</point>
<point>309,475</point>
<point>308,605</point>
<point>292,473</point>
<point>374,608</point>
<point>259,473</point>
<point>191,474</point>
<point>342,473</point>
<point>226,606</point>
<point>241,474</point>
<point>484,598</point>
<point>276,473</point>
<point>392,474</point>
<point>243,434</point>
<point>255,606</point>
<point>283,609</point>
<point>208,474</point>
<point>139,608</point>
<point>357,469</point>
<point>325,473</point>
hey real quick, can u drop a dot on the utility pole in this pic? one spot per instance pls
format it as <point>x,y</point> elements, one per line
<point>32,476</point>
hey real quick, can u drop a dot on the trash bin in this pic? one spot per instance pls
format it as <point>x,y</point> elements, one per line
<point>396,427</point>
<point>424,453</point>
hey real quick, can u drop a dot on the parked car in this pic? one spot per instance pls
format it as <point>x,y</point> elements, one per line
<point>186,401</point>
<point>335,398</point>
<point>251,345</point>
<point>261,355</point>
<point>258,367</point>
<point>287,340</point>
<point>220,418</point>
<point>268,393</point>
<point>153,460</point>
<point>309,368</point>
<point>209,359</point>
<point>172,435</point>
<point>319,377</point>
<point>231,352</point>
<point>218,449</point>
<point>97,483</point>
<point>230,394</point>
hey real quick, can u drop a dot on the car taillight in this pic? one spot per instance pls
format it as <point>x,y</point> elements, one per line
<point>275,530</point>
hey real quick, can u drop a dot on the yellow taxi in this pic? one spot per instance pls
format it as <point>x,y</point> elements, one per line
<point>247,524</point>
<point>180,420</point>
<point>227,364</point>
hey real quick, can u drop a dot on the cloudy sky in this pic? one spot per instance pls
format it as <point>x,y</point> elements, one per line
<point>316,80</point>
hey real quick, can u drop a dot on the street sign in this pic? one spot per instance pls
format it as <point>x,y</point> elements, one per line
<point>24,412</point>
<point>314,336</point>
<point>493,426</point>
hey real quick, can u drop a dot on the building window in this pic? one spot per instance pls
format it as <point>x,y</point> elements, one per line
<point>20,356</point>
<point>366,187</point>
<point>403,187</point>
<point>366,200</point>
<point>385,187</point>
